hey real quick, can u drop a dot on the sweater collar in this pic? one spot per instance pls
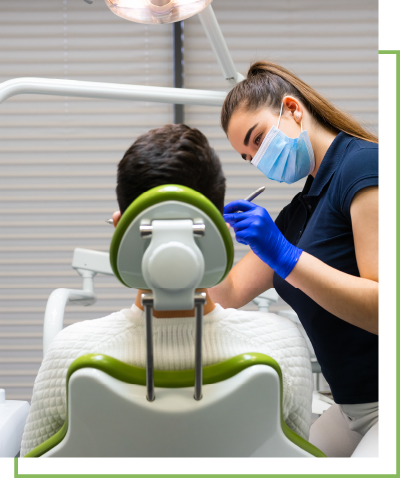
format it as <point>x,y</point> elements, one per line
<point>137,315</point>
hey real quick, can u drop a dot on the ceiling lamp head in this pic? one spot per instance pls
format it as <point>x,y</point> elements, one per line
<point>156,11</point>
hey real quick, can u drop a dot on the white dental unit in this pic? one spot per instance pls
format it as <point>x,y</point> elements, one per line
<point>88,263</point>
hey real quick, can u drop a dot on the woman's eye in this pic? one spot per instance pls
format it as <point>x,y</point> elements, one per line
<point>257,140</point>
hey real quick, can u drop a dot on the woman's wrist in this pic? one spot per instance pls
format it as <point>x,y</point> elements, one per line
<point>289,260</point>
<point>283,257</point>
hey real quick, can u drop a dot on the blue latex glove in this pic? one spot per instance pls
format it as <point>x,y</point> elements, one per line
<point>254,227</point>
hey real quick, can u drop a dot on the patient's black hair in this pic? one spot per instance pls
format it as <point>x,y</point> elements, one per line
<point>174,154</point>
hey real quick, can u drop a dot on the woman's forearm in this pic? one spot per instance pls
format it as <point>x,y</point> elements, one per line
<point>348,297</point>
<point>223,293</point>
<point>246,280</point>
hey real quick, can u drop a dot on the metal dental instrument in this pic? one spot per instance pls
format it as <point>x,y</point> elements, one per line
<point>254,194</point>
<point>248,198</point>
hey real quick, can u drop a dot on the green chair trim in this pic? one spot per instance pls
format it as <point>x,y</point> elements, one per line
<point>212,374</point>
<point>170,193</point>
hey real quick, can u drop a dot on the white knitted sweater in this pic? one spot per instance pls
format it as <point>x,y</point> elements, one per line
<point>226,333</point>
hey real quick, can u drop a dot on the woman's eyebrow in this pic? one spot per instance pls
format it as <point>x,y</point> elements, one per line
<point>247,137</point>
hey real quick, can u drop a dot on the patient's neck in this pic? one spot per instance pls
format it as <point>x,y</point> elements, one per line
<point>209,306</point>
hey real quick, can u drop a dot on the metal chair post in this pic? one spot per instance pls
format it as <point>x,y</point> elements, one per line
<point>147,302</point>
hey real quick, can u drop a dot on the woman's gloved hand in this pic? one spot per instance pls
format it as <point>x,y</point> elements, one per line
<point>254,227</point>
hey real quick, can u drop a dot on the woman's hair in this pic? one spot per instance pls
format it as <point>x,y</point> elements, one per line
<point>268,83</point>
<point>170,154</point>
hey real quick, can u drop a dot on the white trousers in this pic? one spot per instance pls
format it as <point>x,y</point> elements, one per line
<point>341,427</point>
<point>360,417</point>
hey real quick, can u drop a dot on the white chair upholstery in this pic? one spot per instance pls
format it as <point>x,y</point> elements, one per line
<point>239,416</point>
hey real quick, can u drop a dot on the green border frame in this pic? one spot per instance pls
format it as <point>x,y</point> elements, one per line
<point>396,475</point>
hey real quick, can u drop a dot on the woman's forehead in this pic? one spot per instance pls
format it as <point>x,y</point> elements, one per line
<point>242,121</point>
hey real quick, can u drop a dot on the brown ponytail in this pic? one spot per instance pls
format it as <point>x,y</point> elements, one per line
<point>268,83</point>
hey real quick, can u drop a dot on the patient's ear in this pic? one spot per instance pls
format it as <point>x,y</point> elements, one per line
<point>116,217</point>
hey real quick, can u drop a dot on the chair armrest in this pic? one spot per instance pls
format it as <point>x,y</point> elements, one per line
<point>54,314</point>
<point>87,263</point>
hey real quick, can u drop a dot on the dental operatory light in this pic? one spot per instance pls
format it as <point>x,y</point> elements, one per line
<point>170,11</point>
<point>156,11</point>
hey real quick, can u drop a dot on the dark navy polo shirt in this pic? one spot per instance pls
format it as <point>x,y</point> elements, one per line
<point>318,221</point>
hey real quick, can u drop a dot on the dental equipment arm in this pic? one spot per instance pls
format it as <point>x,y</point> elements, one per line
<point>87,263</point>
<point>110,91</point>
<point>211,28</point>
<point>214,34</point>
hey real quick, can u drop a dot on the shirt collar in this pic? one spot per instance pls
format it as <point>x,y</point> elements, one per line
<point>329,164</point>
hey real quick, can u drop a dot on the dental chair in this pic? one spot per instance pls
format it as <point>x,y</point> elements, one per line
<point>170,241</point>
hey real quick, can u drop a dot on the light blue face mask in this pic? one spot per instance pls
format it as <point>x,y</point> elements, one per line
<point>285,159</point>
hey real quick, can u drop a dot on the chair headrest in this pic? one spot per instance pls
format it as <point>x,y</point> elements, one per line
<point>160,244</point>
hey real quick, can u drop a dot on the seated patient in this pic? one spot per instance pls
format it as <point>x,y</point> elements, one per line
<point>181,155</point>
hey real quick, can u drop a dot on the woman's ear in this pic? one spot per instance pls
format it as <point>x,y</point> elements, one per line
<point>116,217</point>
<point>294,107</point>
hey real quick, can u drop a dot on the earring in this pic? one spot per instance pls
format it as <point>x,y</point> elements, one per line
<point>297,117</point>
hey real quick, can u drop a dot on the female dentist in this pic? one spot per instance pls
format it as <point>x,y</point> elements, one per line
<point>321,254</point>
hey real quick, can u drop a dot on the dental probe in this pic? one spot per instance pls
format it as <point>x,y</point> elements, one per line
<point>254,194</point>
<point>248,198</point>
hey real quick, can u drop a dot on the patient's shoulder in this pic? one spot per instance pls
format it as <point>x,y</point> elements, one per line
<point>249,318</point>
<point>85,335</point>
<point>266,333</point>
<point>258,325</point>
